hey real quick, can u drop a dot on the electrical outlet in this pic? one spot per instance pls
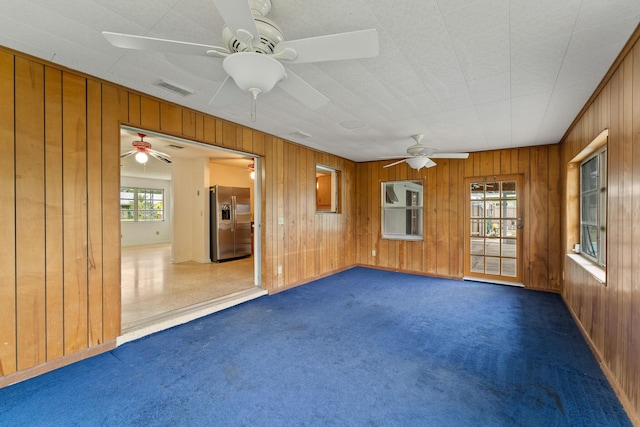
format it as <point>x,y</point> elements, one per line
<point>373,252</point>
<point>279,270</point>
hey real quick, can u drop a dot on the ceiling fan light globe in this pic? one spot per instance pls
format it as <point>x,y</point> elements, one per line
<point>141,157</point>
<point>417,162</point>
<point>253,71</point>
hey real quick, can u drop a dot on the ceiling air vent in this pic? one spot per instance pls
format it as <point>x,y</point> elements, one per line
<point>174,147</point>
<point>174,87</point>
<point>301,134</point>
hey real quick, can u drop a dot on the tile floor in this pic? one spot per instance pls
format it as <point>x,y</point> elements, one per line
<point>153,285</point>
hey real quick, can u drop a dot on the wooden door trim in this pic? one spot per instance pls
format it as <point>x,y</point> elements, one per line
<point>517,280</point>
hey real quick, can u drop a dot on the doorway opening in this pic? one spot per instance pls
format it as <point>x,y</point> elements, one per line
<point>493,230</point>
<point>166,267</point>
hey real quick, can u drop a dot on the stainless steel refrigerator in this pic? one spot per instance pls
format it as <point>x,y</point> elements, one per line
<point>230,209</point>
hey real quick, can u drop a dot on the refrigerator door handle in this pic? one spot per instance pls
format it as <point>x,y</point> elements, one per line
<point>233,213</point>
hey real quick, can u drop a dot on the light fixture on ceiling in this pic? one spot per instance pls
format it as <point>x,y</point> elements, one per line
<point>252,171</point>
<point>418,162</point>
<point>254,73</point>
<point>141,157</point>
<point>142,150</point>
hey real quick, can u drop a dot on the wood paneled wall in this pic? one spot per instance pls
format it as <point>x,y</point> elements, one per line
<point>442,251</point>
<point>609,314</point>
<point>59,207</point>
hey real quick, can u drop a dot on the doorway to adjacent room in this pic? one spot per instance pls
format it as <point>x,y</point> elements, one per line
<point>493,229</point>
<point>165,261</point>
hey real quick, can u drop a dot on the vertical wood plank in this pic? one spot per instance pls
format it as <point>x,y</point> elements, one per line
<point>443,213</point>
<point>626,283</point>
<point>431,211</point>
<point>553,219</point>
<point>188,123</point>
<point>135,109</point>
<point>149,113</point>
<point>170,118</point>
<point>115,108</point>
<point>229,135</point>
<point>74,175</point>
<point>30,213</point>
<point>200,127</point>
<point>209,130</point>
<point>8,353</point>
<point>258,143</point>
<point>523,168</point>
<point>634,347</point>
<point>94,213</point>
<point>54,213</point>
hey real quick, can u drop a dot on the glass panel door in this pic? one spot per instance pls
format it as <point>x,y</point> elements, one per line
<point>492,243</point>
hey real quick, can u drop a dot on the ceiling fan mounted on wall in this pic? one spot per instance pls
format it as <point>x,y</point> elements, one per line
<point>142,149</point>
<point>255,48</point>
<point>421,155</point>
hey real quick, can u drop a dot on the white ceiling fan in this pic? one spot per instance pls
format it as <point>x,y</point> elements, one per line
<point>254,48</point>
<point>142,149</point>
<point>421,155</point>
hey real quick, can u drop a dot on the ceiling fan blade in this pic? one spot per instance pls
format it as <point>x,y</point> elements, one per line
<point>302,91</point>
<point>394,163</point>
<point>449,155</point>
<point>333,47</point>
<point>129,41</point>
<point>237,15</point>
<point>227,93</point>
<point>156,155</point>
<point>160,153</point>
<point>128,153</point>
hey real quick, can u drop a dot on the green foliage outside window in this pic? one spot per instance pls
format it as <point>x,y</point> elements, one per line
<point>141,204</point>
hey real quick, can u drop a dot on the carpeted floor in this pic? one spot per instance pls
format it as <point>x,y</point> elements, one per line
<point>363,347</point>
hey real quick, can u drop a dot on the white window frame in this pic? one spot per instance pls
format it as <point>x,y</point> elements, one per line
<point>594,248</point>
<point>402,219</point>
<point>136,208</point>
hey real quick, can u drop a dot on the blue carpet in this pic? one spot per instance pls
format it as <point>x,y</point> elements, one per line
<point>362,347</point>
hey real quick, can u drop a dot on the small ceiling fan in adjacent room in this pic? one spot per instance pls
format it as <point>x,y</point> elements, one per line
<point>255,48</point>
<point>422,155</point>
<point>142,150</point>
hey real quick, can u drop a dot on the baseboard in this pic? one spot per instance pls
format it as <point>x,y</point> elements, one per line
<point>622,397</point>
<point>25,374</point>
<point>309,280</point>
<point>400,270</point>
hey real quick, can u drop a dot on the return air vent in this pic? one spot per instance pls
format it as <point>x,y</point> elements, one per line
<point>174,87</point>
<point>174,147</point>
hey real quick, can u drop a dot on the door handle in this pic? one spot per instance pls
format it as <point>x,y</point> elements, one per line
<point>233,213</point>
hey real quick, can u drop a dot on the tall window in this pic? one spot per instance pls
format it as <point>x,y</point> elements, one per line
<point>402,210</point>
<point>593,207</point>
<point>141,204</point>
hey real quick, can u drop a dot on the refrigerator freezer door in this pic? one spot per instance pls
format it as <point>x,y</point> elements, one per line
<point>242,222</point>
<point>222,240</point>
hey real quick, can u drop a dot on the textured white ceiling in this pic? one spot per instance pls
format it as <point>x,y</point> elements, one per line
<point>470,75</point>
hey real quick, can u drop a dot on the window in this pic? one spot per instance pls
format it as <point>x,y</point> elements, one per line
<point>141,204</point>
<point>402,210</point>
<point>327,189</point>
<point>593,207</point>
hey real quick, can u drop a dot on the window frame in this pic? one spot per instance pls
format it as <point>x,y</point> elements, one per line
<point>599,253</point>
<point>324,175</point>
<point>142,213</point>
<point>393,207</point>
